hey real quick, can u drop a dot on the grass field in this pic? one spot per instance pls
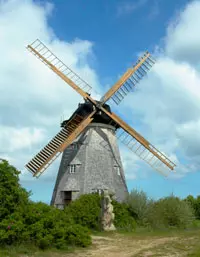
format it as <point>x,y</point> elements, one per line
<point>139,244</point>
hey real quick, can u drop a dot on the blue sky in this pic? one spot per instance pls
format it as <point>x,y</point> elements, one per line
<point>118,36</point>
<point>100,40</point>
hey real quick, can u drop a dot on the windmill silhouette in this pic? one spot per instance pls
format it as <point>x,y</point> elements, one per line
<point>88,139</point>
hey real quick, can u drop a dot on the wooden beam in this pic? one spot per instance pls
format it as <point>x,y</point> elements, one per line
<point>66,143</point>
<point>140,139</point>
<point>62,75</point>
<point>124,77</point>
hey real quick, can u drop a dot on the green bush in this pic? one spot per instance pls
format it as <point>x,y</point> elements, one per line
<point>22,220</point>
<point>138,205</point>
<point>78,235</point>
<point>195,223</point>
<point>44,226</point>
<point>123,219</point>
<point>85,210</point>
<point>195,204</point>
<point>12,195</point>
<point>170,212</point>
<point>197,207</point>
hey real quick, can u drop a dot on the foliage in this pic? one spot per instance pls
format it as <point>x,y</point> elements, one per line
<point>138,205</point>
<point>170,212</point>
<point>85,210</point>
<point>164,213</point>
<point>195,204</point>
<point>40,224</point>
<point>12,195</point>
<point>123,219</point>
<point>44,226</point>
<point>197,207</point>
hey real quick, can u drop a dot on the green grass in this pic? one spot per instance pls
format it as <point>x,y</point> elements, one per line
<point>30,250</point>
<point>13,251</point>
<point>145,233</point>
<point>182,242</point>
<point>185,242</point>
<point>195,252</point>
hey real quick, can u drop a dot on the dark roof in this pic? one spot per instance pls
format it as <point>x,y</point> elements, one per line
<point>86,108</point>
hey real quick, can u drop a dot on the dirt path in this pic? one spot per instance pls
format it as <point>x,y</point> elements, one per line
<point>175,244</point>
<point>124,246</point>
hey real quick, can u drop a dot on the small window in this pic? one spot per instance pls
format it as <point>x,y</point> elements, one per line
<point>72,168</point>
<point>117,170</point>
<point>98,191</point>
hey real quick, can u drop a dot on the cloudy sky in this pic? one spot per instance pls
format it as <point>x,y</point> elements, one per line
<point>100,40</point>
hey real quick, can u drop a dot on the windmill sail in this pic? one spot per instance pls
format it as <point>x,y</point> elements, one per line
<point>53,149</point>
<point>149,154</point>
<point>139,144</point>
<point>129,80</point>
<point>48,58</point>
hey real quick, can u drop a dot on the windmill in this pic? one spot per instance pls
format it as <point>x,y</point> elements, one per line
<point>88,139</point>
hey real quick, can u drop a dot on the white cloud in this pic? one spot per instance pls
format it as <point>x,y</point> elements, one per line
<point>167,103</point>
<point>14,139</point>
<point>189,138</point>
<point>32,97</point>
<point>183,37</point>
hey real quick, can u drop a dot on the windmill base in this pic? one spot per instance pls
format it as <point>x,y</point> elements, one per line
<point>90,164</point>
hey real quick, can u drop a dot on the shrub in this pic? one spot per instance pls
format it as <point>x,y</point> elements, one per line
<point>85,210</point>
<point>12,195</point>
<point>44,243</point>
<point>170,212</point>
<point>197,207</point>
<point>138,205</point>
<point>78,235</point>
<point>195,204</point>
<point>123,219</point>
<point>22,220</point>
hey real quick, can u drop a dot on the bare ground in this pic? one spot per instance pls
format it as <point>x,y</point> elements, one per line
<point>119,245</point>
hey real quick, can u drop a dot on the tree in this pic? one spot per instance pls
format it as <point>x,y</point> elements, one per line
<point>170,212</point>
<point>12,195</point>
<point>138,203</point>
<point>22,220</point>
<point>197,207</point>
<point>195,204</point>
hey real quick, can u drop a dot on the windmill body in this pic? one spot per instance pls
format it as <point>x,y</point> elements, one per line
<point>91,163</point>
<point>91,159</point>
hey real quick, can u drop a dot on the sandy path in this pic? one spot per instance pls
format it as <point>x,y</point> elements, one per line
<point>120,246</point>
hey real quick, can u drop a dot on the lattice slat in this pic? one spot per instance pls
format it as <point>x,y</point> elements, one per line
<point>53,149</point>
<point>42,50</point>
<point>144,153</point>
<point>134,79</point>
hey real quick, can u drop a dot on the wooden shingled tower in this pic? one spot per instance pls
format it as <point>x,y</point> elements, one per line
<point>88,139</point>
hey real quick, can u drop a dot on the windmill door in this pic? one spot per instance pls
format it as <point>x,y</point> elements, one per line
<point>67,197</point>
